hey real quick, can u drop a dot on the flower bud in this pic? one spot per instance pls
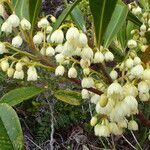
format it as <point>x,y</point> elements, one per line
<point>93,121</point>
<point>132,125</point>
<point>115,129</point>
<point>72,73</point>
<point>43,23</point>
<point>143,48</point>
<point>19,74</point>
<point>60,70</point>
<point>32,74</point>
<point>109,56</point>
<point>14,20</point>
<point>43,51</point>
<point>57,36</point>
<point>132,44</point>
<point>10,72</point>
<point>2,48</point>
<point>86,71</point>
<point>50,51</point>
<point>53,19</point>
<point>114,75</point>
<point>87,82</point>
<point>99,57</point>
<point>4,65</point>
<point>137,11</point>
<point>25,24</point>
<point>85,94</point>
<point>103,100</point>
<point>49,30</point>
<point>6,27</point>
<point>17,41</point>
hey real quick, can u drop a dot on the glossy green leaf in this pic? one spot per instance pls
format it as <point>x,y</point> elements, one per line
<point>34,9</point>
<point>102,11</point>
<point>70,97</point>
<point>78,18</point>
<point>21,8</point>
<point>64,14</point>
<point>11,136</point>
<point>134,19</point>
<point>116,23</point>
<point>18,95</point>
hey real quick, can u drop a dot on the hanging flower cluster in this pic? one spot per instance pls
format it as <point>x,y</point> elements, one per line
<point>69,47</point>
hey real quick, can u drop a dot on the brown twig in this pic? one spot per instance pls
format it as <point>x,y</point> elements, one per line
<point>144,120</point>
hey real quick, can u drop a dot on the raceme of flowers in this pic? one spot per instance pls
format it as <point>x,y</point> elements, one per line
<point>119,101</point>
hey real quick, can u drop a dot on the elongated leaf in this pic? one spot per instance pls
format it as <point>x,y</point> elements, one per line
<point>102,11</point>
<point>21,8</point>
<point>11,136</point>
<point>78,18</point>
<point>116,23</point>
<point>70,97</point>
<point>134,19</point>
<point>17,96</point>
<point>122,36</point>
<point>64,14</point>
<point>34,9</point>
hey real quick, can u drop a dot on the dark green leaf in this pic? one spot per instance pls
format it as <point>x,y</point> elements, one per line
<point>78,18</point>
<point>17,96</point>
<point>134,19</point>
<point>116,23</point>
<point>102,11</point>
<point>64,14</point>
<point>11,136</point>
<point>34,9</point>
<point>70,97</point>
<point>21,8</point>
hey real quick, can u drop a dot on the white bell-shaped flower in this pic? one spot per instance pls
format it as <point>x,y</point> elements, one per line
<point>98,57</point>
<point>132,125</point>
<point>137,71</point>
<point>129,63</point>
<point>59,48</point>
<point>4,65</point>
<point>10,72</point>
<point>57,36</point>
<point>50,51</point>
<point>85,94</point>
<point>25,24</point>
<point>109,56</point>
<point>114,75</point>
<point>6,27</point>
<point>2,48</point>
<point>14,20</point>
<point>19,66</point>
<point>83,41</point>
<point>43,23</point>
<point>143,87</point>
<point>49,29</point>
<point>146,74</point>
<point>144,96</point>
<point>93,121</point>
<point>72,34</point>
<point>60,58</point>
<point>37,39</point>
<point>19,74</point>
<point>87,53</point>
<point>60,70</point>
<point>32,74</point>
<point>132,44</point>
<point>17,41</point>
<point>87,82</point>
<point>72,73</point>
